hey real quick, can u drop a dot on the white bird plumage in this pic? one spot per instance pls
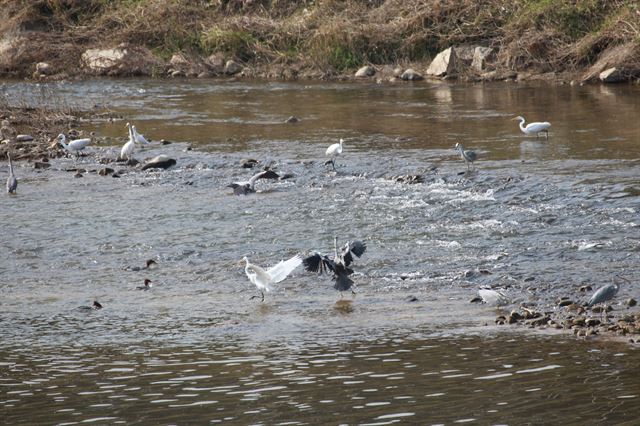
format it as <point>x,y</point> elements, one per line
<point>75,146</point>
<point>533,128</point>
<point>263,279</point>
<point>127,148</point>
<point>12,182</point>
<point>333,151</point>
<point>492,297</point>
<point>137,137</point>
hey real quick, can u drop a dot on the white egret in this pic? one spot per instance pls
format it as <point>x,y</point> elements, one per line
<point>333,151</point>
<point>534,128</point>
<point>137,137</point>
<point>128,148</point>
<point>12,182</point>
<point>75,146</point>
<point>492,297</point>
<point>246,187</point>
<point>468,156</point>
<point>264,279</point>
<point>339,265</point>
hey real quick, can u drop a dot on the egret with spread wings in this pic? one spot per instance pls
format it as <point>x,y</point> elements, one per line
<point>263,279</point>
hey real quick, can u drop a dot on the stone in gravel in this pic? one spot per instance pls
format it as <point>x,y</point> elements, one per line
<point>106,171</point>
<point>586,288</point>
<point>248,163</point>
<point>631,302</point>
<point>24,138</point>
<point>564,303</point>
<point>292,119</point>
<point>41,165</point>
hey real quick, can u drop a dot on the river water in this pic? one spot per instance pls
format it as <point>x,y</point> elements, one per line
<point>539,218</point>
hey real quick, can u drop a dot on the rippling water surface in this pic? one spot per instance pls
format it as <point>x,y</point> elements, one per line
<point>544,217</point>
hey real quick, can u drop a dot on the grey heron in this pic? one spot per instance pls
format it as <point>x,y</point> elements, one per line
<point>246,187</point>
<point>263,279</point>
<point>468,156</point>
<point>12,182</point>
<point>333,151</point>
<point>75,146</point>
<point>339,265</point>
<point>606,292</point>
<point>534,128</point>
<point>147,285</point>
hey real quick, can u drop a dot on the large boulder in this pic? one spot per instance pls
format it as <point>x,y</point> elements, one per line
<point>444,63</point>
<point>120,61</point>
<point>232,67</point>
<point>611,75</point>
<point>411,75</point>
<point>481,56</point>
<point>623,57</point>
<point>366,71</point>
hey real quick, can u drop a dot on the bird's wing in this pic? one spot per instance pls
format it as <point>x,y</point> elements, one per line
<point>492,297</point>
<point>350,249</point>
<point>280,271</point>
<point>318,263</point>
<point>602,294</point>
<point>79,143</point>
<point>265,174</point>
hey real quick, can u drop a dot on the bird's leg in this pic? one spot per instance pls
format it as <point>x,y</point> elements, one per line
<point>546,133</point>
<point>262,293</point>
<point>333,164</point>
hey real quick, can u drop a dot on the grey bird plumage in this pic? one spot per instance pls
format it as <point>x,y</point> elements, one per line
<point>12,182</point>
<point>339,265</point>
<point>468,156</point>
<point>246,187</point>
<point>605,293</point>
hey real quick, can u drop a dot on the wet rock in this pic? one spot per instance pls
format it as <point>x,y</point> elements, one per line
<point>409,179</point>
<point>529,279</point>
<point>215,63</point>
<point>232,67</point>
<point>631,302</point>
<point>537,322</point>
<point>248,163</point>
<point>24,138</point>
<point>116,175</point>
<point>410,299</point>
<point>476,299</point>
<point>564,303</point>
<point>366,71</point>
<point>132,162</point>
<point>105,160</point>
<point>292,119</point>
<point>411,75</point>
<point>585,288</point>
<point>444,63</point>
<point>514,317</point>
<point>592,322</point>
<point>41,165</point>
<point>501,320</point>
<point>106,171</point>
<point>600,309</point>
<point>177,73</point>
<point>159,162</point>
<point>78,175</point>
<point>165,142</point>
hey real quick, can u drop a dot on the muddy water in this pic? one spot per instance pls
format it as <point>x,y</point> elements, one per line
<point>543,217</point>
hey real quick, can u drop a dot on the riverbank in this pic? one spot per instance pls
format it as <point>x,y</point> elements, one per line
<point>318,40</point>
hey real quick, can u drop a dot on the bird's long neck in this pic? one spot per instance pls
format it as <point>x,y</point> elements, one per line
<point>522,126</point>
<point>335,247</point>
<point>62,142</point>
<point>10,165</point>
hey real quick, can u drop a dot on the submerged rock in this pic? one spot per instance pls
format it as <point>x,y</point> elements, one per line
<point>292,119</point>
<point>411,75</point>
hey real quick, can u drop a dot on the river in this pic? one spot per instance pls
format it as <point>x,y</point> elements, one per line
<point>539,218</point>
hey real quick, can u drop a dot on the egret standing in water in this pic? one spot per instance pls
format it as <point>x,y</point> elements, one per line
<point>246,187</point>
<point>75,146</point>
<point>263,279</point>
<point>333,151</point>
<point>606,292</point>
<point>12,182</point>
<point>468,156</point>
<point>339,265</point>
<point>127,148</point>
<point>138,137</point>
<point>534,128</point>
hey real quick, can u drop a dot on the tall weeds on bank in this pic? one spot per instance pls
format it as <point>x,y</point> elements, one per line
<point>330,35</point>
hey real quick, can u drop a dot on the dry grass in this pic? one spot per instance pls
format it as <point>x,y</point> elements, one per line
<point>329,35</point>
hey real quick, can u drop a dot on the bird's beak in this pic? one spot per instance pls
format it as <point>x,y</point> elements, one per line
<point>514,118</point>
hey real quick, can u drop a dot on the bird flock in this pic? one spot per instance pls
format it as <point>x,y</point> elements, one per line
<point>339,266</point>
